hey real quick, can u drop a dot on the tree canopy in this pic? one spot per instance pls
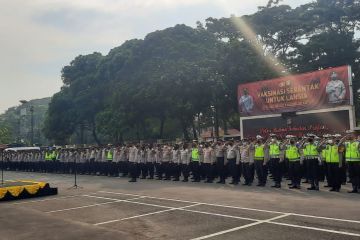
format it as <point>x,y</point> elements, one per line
<point>161,86</point>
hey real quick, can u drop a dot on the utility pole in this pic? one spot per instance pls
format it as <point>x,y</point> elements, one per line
<point>32,125</point>
<point>31,109</point>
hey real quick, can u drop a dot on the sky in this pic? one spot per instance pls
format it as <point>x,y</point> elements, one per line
<point>39,37</point>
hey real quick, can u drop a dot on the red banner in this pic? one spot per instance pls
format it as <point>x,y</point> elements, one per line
<point>314,90</point>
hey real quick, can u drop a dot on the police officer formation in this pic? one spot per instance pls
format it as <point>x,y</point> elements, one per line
<point>334,159</point>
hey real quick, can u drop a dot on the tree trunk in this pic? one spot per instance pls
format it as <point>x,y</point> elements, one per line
<point>137,133</point>
<point>225,127</point>
<point>81,132</point>
<point>194,130</point>
<point>184,129</point>
<point>216,123</point>
<point>162,123</point>
<point>95,135</point>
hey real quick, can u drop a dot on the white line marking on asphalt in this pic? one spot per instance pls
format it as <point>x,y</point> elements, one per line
<point>146,214</point>
<point>325,218</point>
<point>47,199</point>
<point>220,215</point>
<point>91,205</point>
<point>187,210</point>
<point>234,207</point>
<point>316,229</point>
<point>185,201</point>
<point>240,227</point>
<point>128,201</point>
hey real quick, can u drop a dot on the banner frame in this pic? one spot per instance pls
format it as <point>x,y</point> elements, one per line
<point>350,109</point>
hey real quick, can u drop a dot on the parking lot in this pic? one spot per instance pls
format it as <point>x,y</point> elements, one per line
<point>112,208</point>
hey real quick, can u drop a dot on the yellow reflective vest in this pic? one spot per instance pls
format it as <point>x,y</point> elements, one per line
<point>259,152</point>
<point>292,153</point>
<point>332,154</point>
<point>109,156</point>
<point>310,151</point>
<point>352,152</point>
<point>48,156</point>
<point>274,150</point>
<point>195,155</point>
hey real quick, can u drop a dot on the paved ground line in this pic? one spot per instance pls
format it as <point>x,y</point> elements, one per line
<point>43,200</point>
<point>187,210</point>
<point>148,204</point>
<point>240,227</point>
<point>130,201</point>
<point>146,214</point>
<point>185,201</point>
<point>242,208</point>
<point>87,206</point>
<point>220,215</point>
<point>316,229</point>
<point>326,218</point>
<point>255,220</point>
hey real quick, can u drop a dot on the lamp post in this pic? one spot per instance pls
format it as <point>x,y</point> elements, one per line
<point>32,125</point>
<point>31,109</point>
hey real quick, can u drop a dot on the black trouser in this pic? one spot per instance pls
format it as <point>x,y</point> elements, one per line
<point>133,170</point>
<point>325,169</point>
<point>322,170</point>
<point>343,173</point>
<point>334,175</point>
<point>49,165</point>
<point>143,169</point>
<point>86,167</point>
<point>313,171</point>
<point>295,172</point>
<point>220,168</point>
<point>202,171</point>
<point>185,169</point>
<point>248,171</point>
<point>124,169</point>
<point>176,169</point>
<point>354,174</point>
<point>195,169</point>
<point>159,170</point>
<point>110,168</point>
<point>233,170</point>
<point>209,171</point>
<point>150,169</point>
<point>277,170</point>
<point>271,166</point>
<point>166,168</point>
<point>286,173</point>
<point>306,169</point>
<point>91,167</point>
<point>261,171</point>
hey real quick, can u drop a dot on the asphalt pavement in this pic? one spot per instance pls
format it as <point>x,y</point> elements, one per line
<point>112,208</point>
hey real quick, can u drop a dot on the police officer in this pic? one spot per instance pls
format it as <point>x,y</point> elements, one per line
<point>208,162</point>
<point>150,161</point>
<point>233,166</point>
<point>352,157</point>
<point>311,156</point>
<point>195,163</point>
<point>133,161</point>
<point>185,157</point>
<point>293,155</point>
<point>247,160</point>
<point>334,164</point>
<point>220,161</point>
<point>259,160</point>
<point>274,154</point>
<point>142,162</point>
<point>165,161</point>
